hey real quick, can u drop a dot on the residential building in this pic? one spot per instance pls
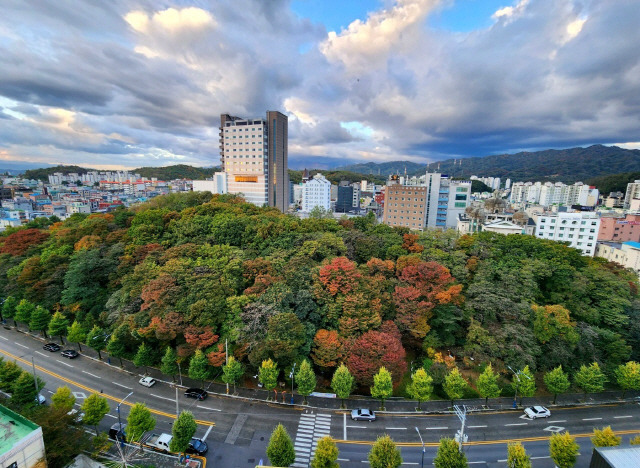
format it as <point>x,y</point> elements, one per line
<point>217,184</point>
<point>632,193</point>
<point>316,192</point>
<point>626,254</point>
<point>22,444</point>
<point>549,193</point>
<point>254,154</point>
<point>620,229</point>
<point>579,229</point>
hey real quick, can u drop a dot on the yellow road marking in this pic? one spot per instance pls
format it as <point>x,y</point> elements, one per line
<point>91,390</point>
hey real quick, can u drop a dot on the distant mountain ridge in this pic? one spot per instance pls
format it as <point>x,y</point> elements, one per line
<point>383,169</point>
<point>178,171</point>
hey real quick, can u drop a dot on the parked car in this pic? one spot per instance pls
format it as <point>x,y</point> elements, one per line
<point>116,432</point>
<point>535,412</point>
<point>40,399</point>
<point>52,347</point>
<point>363,414</point>
<point>196,393</point>
<point>69,353</point>
<point>147,381</point>
<point>78,416</point>
<point>197,446</point>
<point>159,442</point>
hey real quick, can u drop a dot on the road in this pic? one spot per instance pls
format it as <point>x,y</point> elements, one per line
<point>238,430</point>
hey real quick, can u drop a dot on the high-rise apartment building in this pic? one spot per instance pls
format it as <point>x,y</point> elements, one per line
<point>254,157</point>
<point>579,229</point>
<point>633,192</point>
<point>316,192</point>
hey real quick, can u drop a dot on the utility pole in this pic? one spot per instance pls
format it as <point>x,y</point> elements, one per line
<point>422,442</point>
<point>118,409</point>
<point>516,375</point>
<point>291,375</point>
<point>226,358</point>
<point>462,416</point>
<point>35,379</point>
<point>177,410</point>
<point>179,372</point>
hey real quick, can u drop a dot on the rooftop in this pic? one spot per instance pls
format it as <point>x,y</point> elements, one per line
<point>13,428</point>
<point>635,245</point>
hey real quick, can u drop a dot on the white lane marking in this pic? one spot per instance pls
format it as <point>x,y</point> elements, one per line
<point>344,424</point>
<point>501,461</point>
<point>517,424</point>
<point>539,458</point>
<point>21,345</point>
<point>410,463</point>
<point>471,463</point>
<point>346,459</point>
<point>206,434</point>
<point>557,421</point>
<point>92,375</point>
<point>68,365</point>
<point>622,417</point>
<point>164,398</point>
<point>52,393</point>
<point>591,419</point>
<point>435,428</point>
<point>111,416</point>
<point>42,354</point>
<point>123,386</point>
<point>396,428</point>
<point>5,339</point>
<point>202,407</point>
<point>473,427</point>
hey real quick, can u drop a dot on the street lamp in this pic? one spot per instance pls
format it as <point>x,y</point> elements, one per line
<point>517,377</point>
<point>118,410</point>
<point>179,372</point>
<point>291,376</point>
<point>422,442</point>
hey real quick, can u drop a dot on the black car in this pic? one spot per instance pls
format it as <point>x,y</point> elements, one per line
<point>70,353</point>
<point>197,446</point>
<point>116,433</point>
<point>196,393</point>
<point>52,347</point>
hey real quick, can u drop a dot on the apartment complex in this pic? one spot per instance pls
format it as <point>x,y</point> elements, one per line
<point>254,157</point>
<point>316,192</point>
<point>548,194</point>
<point>579,229</point>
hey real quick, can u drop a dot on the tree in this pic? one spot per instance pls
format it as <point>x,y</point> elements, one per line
<point>9,308</point>
<point>184,427</point>
<point>117,344</point>
<point>342,383</point>
<point>517,456</point>
<point>487,384</point>
<point>375,349</point>
<point>605,437</point>
<point>76,334</point>
<point>421,386</point>
<point>628,376</point>
<point>306,380</point>
<point>285,336</point>
<point>326,454</point>
<point>23,311</point>
<point>96,340</point>
<point>144,357</point>
<point>232,371</point>
<point>556,381</point>
<point>268,375</point>
<point>63,398</point>
<point>527,384</point>
<point>199,367</point>
<point>169,365</point>
<point>382,386</point>
<point>94,408</point>
<point>590,378</point>
<point>58,326</point>
<point>280,449</point>
<point>454,385</point>
<point>635,440</point>
<point>384,453</point>
<point>9,373</point>
<point>327,351</point>
<point>23,390</point>
<point>449,455</point>
<point>39,321</point>
<point>563,449</point>
<point>139,421</point>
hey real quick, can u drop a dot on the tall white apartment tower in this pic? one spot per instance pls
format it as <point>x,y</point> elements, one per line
<point>254,157</point>
<point>316,192</point>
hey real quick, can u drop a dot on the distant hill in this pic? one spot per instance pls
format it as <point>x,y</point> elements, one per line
<point>43,173</point>
<point>336,176</point>
<point>179,171</point>
<point>614,182</point>
<point>383,169</point>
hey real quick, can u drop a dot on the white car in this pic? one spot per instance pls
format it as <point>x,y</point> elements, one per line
<point>535,412</point>
<point>147,381</point>
<point>77,415</point>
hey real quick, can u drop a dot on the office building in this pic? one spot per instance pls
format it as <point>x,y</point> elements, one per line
<point>316,192</point>
<point>348,198</point>
<point>579,229</point>
<point>254,157</point>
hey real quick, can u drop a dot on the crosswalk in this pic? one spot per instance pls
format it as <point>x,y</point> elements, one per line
<point>310,428</point>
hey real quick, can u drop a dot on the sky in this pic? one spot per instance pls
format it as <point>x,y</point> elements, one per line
<point>130,83</point>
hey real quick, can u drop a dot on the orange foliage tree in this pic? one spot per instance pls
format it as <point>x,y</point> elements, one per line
<point>20,241</point>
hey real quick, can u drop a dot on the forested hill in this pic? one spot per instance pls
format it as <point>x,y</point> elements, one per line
<point>383,169</point>
<point>44,172</point>
<point>613,183</point>
<point>179,171</point>
<point>336,176</point>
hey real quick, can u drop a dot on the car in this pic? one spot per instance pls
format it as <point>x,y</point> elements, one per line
<point>535,412</point>
<point>196,393</point>
<point>78,416</point>
<point>40,399</point>
<point>70,353</point>
<point>52,347</point>
<point>147,381</point>
<point>197,446</point>
<point>363,414</point>
<point>116,432</point>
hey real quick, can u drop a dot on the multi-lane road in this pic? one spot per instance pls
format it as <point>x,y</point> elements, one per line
<point>237,430</point>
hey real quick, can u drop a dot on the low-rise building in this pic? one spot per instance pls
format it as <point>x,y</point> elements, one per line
<point>620,229</point>
<point>626,254</point>
<point>21,442</point>
<point>579,229</point>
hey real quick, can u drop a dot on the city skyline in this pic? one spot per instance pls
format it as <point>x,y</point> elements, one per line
<point>125,85</point>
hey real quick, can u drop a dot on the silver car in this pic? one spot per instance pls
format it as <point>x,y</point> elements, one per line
<point>363,414</point>
<point>535,412</point>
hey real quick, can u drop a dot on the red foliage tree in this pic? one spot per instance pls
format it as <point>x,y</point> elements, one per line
<point>373,350</point>
<point>327,351</point>
<point>20,241</point>
<point>409,243</point>
<point>386,268</point>
<point>158,294</point>
<point>341,275</point>
<point>200,337</point>
<point>165,328</point>
<point>217,358</point>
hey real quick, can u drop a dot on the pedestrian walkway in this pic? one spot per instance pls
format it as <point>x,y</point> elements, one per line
<point>310,428</point>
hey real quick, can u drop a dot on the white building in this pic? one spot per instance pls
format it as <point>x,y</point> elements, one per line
<point>316,192</point>
<point>217,184</point>
<point>633,192</point>
<point>22,442</point>
<point>579,229</point>
<point>549,193</point>
<point>626,254</point>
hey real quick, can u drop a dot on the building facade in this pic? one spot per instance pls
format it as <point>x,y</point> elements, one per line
<point>626,254</point>
<point>632,193</point>
<point>22,443</point>
<point>579,229</point>
<point>316,192</point>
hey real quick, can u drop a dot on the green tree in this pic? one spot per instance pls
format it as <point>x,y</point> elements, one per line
<point>280,449</point>
<point>139,421</point>
<point>40,318</point>
<point>63,398</point>
<point>384,453</point>
<point>23,390</point>
<point>199,367</point>
<point>382,386</point>
<point>526,383</point>
<point>58,326</point>
<point>117,344</point>
<point>9,308</point>
<point>76,334</point>
<point>94,409</point>
<point>605,437</point>
<point>144,357</point>
<point>421,386</point>
<point>487,384</point>
<point>590,378</point>
<point>9,373</point>
<point>635,440</point>
<point>342,383</point>
<point>454,385</point>
<point>557,382</point>
<point>449,455</point>
<point>517,456</point>
<point>628,376</point>
<point>326,454</point>
<point>169,364</point>
<point>184,427</point>
<point>23,311</point>
<point>96,339</point>
<point>563,449</point>
<point>232,371</point>
<point>268,375</point>
<point>306,380</point>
